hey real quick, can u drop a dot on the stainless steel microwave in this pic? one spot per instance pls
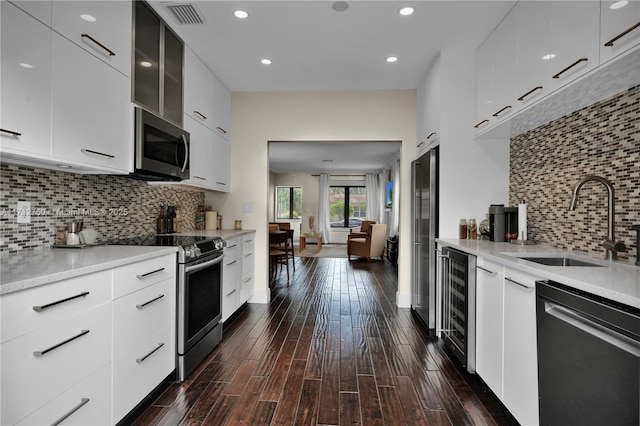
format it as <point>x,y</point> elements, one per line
<point>162,149</point>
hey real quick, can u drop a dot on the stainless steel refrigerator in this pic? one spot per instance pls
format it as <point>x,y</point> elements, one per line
<point>425,172</point>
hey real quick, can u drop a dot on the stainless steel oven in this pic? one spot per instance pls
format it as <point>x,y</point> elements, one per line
<point>161,148</point>
<point>199,299</point>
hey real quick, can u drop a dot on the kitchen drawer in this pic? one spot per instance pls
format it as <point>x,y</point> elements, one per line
<point>53,301</point>
<point>248,260</point>
<point>140,370</point>
<point>133,277</point>
<point>230,300</point>
<point>515,277</point>
<point>230,270</point>
<point>29,381</point>
<point>96,410</point>
<point>248,241</point>
<point>246,287</point>
<point>142,314</point>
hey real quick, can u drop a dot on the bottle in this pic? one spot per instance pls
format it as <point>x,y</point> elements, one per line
<point>178,222</point>
<point>473,229</point>
<point>462,229</point>
<point>161,221</point>
<point>169,219</point>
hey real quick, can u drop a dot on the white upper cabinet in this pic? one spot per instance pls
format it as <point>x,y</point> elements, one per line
<point>221,163</point>
<point>92,116</point>
<point>534,48</point>
<point>484,85</point>
<point>504,69</point>
<point>221,109</point>
<point>574,40</point>
<point>101,28</point>
<point>41,10</point>
<point>200,155</point>
<point>198,89</point>
<point>619,28</point>
<point>25,84</point>
<point>428,109</point>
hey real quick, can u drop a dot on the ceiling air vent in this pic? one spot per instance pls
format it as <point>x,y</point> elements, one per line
<point>185,13</point>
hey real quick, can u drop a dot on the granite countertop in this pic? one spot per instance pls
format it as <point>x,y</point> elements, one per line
<point>614,280</point>
<point>33,268</point>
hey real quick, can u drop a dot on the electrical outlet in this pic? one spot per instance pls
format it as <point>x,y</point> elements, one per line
<point>24,212</point>
<point>247,207</point>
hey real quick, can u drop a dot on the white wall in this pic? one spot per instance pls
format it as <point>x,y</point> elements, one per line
<point>298,116</point>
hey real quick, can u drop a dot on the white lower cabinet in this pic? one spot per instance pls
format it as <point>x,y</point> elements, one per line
<point>230,278</point>
<point>520,347</point>
<point>248,261</point>
<point>489,323</point>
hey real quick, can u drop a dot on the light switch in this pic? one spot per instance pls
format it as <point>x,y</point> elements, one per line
<point>247,207</point>
<point>24,212</point>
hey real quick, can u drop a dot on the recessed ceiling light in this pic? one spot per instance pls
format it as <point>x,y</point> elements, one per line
<point>340,6</point>
<point>265,61</point>
<point>549,56</point>
<point>25,65</point>
<point>241,14</point>
<point>619,4</point>
<point>145,64</point>
<point>406,11</point>
<point>88,18</point>
<point>392,59</point>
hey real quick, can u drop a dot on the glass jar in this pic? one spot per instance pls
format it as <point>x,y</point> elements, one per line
<point>462,229</point>
<point>473,229</point>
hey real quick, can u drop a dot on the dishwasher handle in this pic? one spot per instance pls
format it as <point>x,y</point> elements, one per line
<point>599,331</point>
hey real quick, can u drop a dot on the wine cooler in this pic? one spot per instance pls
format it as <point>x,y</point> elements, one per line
<point>458,283</point>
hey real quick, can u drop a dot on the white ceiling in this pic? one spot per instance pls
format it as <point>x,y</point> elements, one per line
<point>315,48</point>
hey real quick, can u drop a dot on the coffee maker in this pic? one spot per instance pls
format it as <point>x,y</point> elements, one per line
<point>503,223</point>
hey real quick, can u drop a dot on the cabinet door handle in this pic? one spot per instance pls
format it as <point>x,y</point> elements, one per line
<point>232,246</point>
<point>511,280</point>
<point>246,281</point>
<point>200,177</point>
<point>204,117</point>
<point>502,110</point>
<point>64,417</point>
<point>11,132</point>
<point>142,305</point>
<point>420,144</point>
<point>492,273</point>
<point>231,263</point>
<point>431,134</point>
<point>221,130</point>
<point>231,292</point>
<point>248,241</point>
<point>56,346</point>
<point>622,34</point>
<point>89,151</point>
<point>521,98</point>
<point>109,51</point>
<point>481,123</point>
<point>141,360</point>
<point>570,66</point>
<point>142,276</point>
<point>247,255</point>
<point>221,183</point>
<point>40,308</point>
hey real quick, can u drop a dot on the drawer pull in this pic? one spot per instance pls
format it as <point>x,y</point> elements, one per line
<point>150,301</point>
<point>248,241</point>
<point>52,304</point>
<point>89,151</point>
<point>231,246</point>
<point>517,283</point>
<point>109,51</point>
<point>231,292</point>
<point>231,263</point>
<point>431,134</point>
<point>481,123</point>
<point>204,117</point>
<point>247,255</point>
<point>622,34</point>
<point>221,130</point>
<point>83,401</point>
<point>221,183</point>
<point>40,353</point>
<point>492,273</point>
<point>421,143</point>
<point>11,132</point>
<point>570,66</point>
<point>246,281</point>
<point>141,360</point>
<point>142,276</point>
<point>496,114</point>
<point>200,177</point>
<point>521,98</point>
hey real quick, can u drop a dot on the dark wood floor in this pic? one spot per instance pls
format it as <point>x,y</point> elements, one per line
<point>330,349</point>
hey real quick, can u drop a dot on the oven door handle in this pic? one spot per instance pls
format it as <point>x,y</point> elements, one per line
<point>203,265</point>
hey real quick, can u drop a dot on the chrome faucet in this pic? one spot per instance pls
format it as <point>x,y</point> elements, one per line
<point>612,247</point>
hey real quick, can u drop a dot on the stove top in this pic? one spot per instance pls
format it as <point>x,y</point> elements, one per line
<point>191,246</point>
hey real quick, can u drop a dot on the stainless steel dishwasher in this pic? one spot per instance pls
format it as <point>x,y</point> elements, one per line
<point>588,358</point>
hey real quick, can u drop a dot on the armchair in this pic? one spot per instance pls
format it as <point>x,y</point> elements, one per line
<point>372,245</point>
<point>364,229</point>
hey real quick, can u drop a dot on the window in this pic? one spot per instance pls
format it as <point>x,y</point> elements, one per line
<point>347,202</point>
<point>288,202</point>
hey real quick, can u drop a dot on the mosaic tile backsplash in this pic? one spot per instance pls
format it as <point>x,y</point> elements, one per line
<point>115,206</point>
<point>602,139</point>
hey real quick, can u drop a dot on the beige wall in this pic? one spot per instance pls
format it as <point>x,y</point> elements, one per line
<point>284,116</point>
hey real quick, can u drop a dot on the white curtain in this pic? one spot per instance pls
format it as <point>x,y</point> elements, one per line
<point>395,209</point>
<point>323,207</point>
<point>373,196</point>
<point>382,214</point>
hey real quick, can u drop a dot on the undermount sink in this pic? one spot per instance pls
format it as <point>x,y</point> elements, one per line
<point>558,261</point>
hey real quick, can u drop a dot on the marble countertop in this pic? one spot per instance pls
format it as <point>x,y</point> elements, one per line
<point>614,280</point>
<point>226,234</point>
<point>33,268</point>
